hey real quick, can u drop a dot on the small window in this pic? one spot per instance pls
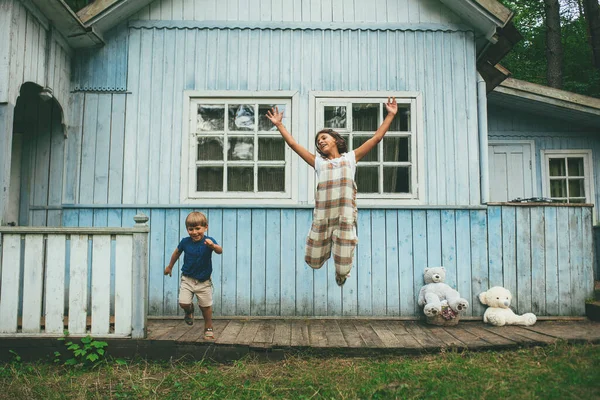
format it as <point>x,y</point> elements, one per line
<point>235,151</point>
<point>391,169</point>
<point>568,176</point>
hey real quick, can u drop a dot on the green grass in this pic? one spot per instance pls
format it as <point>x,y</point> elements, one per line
<point>560,371</point>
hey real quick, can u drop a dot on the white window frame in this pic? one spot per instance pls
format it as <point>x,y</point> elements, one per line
<point>546,155</point>
<point>189,195</point>
<point>414,99</point>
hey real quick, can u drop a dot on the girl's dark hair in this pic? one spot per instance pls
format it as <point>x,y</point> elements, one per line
<point>339,141</point>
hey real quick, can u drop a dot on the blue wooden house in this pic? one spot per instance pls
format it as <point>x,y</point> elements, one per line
<point>157,107</point>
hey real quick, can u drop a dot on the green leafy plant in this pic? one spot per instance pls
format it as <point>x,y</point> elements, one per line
<point>88,352</point>
<point>16,356</point>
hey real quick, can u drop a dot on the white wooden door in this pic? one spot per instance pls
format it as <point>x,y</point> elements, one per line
<point>512,173</point>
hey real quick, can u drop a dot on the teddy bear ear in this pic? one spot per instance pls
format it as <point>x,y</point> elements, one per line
<point>443,269</point>
<point>482,298</point>
<point>426,269</point>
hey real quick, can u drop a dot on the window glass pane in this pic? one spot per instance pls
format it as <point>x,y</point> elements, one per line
<point>575,166</point>
<point>557,167</point>
<point>558,188</point>
<point>240,148</point>
<point>263,122</point>
<point>373,155</point>
<point>240,179</point>
<point>270,149</point>
<point>365,117</point>
<point>210,148</point>
<point>396,149</point>
<point>209,179</point>
<point>559,201</point>
<point>396,179</point>
<point>335,117</point>
<point>577,201</point>
<point>401,122</point>
<point>576,188</point>
<point>271,179</point>
<point>210,117</point>
<point>367,179</point>
<point>241,117</point>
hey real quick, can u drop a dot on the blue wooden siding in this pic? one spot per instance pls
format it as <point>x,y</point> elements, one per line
<point>103,69</point>
<point>547,134</point>
<point>162,63</point>
<point>395,11</point>
<point>542,254</point>
<point>24,50</point>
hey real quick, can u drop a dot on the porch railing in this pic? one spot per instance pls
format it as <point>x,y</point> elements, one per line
<point>52,278</point>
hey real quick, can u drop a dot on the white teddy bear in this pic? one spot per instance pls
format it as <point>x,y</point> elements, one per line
<point>498,312</point>
<point>435,291</point>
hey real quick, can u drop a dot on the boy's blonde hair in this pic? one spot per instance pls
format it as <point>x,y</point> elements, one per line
<point>196,218</point>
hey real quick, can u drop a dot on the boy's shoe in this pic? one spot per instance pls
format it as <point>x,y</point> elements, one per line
<point>189,318</point>
<point>340,280</point>
<point>209,334</point>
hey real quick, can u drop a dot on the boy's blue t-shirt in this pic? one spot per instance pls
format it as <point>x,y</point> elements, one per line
<point>197,262</point>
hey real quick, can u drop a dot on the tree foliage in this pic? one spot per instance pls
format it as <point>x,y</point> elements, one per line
<point>77,5</point>
<point>527,60</point>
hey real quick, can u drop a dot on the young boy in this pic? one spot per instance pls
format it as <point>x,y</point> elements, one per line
<point>196,270</point>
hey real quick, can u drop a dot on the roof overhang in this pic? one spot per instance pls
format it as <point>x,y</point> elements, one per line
<point>104,14</point>
<point>547,101</point>
<point>65,21</point>
<point>497,35</point>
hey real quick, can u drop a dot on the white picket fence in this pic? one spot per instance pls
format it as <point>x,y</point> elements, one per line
<point>57,263</point>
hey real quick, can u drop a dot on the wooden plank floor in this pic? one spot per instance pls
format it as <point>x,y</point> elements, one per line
<point>411,336</point>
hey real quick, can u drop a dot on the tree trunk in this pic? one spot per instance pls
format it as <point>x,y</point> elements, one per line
<point>554,50</point>
<point>592,14</point>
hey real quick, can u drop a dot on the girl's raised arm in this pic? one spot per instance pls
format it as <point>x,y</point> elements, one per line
<point>276,118</point>
<point>392,109</point>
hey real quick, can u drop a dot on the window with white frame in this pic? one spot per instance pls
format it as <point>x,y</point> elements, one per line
<point>391,169</point>
<point>568,175</point>
<point>235,151</point>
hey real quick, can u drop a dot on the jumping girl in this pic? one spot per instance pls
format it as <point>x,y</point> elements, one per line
<point>334,217</point>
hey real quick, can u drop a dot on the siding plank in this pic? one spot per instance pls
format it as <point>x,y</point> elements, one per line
<point>479,259</point>
<point>378,262</point>
<point>78,279</point>
<point>538,267</point>
<point>55,283</point>
<point>215,223</point>
<point>363,270</point>
<point>463,258</point>
<point>101,250</point>
<point>305,275</point>
<point>258,263</point>
<point>406,263</point>
<point>494,217</point>
<point>578,277</point>
<point>228,274</point>
<point>288,264</point>
<point>10,288</point>
<point>448,233</point>
<point>124,284</point>
<point>419,220</point>
<point>33,281</point>
<point>244,257</point>
<point>509,250</point>
<point>272,263</point>
<point>564,263</point>
<point>392,263</point>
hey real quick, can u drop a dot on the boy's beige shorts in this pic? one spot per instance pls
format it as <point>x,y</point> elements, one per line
<point>190,287</point>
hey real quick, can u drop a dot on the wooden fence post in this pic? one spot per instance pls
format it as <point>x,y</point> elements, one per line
<point>140,277</point>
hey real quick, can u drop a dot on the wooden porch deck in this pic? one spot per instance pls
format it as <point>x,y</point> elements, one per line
<point>274,337</point>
